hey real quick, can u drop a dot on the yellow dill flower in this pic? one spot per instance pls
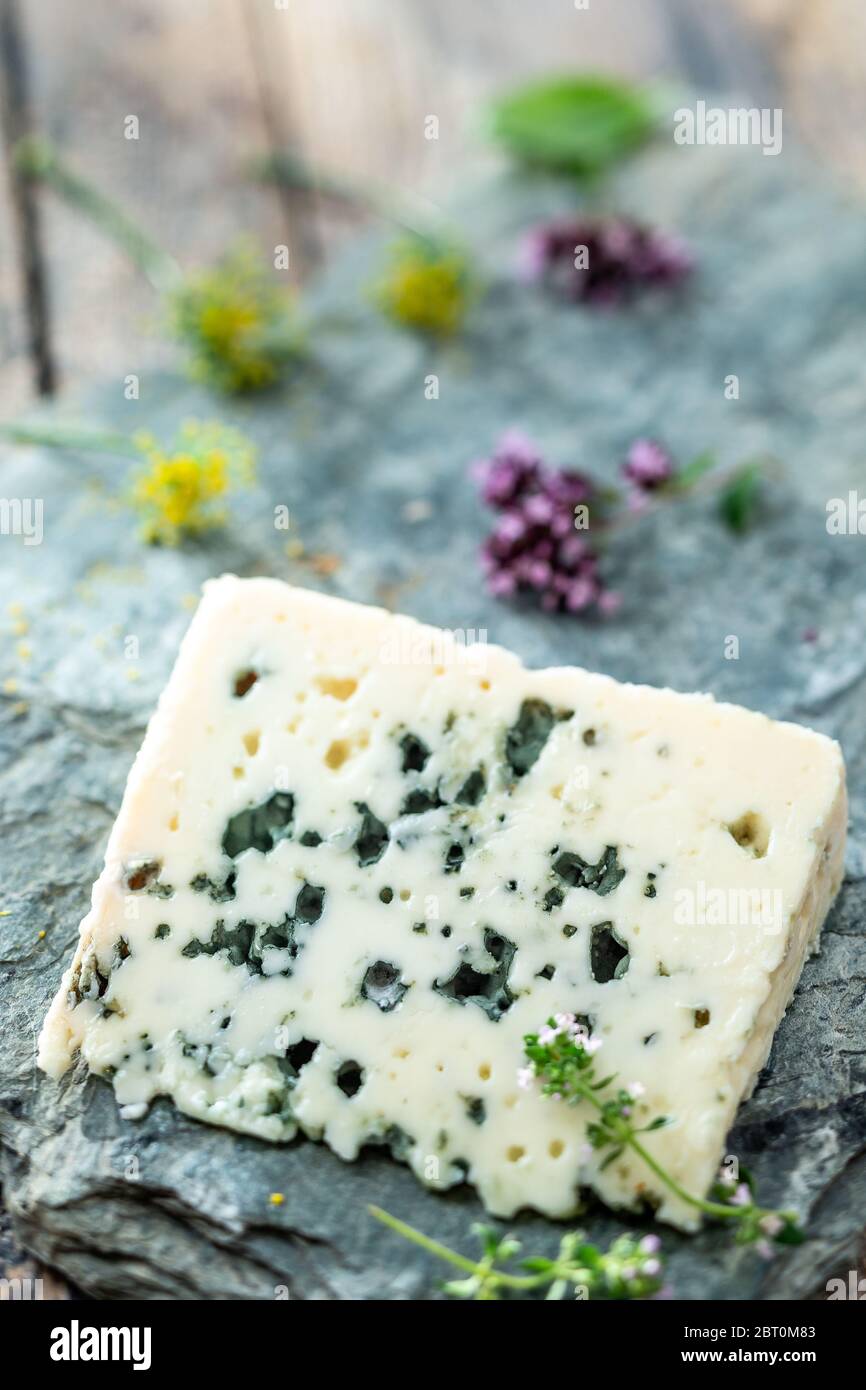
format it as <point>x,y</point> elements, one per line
<point>179,492</point>
<point>425,287</point>
<point>236,323</point>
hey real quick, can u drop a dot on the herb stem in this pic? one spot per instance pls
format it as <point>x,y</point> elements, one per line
<point>287,170</point>
<point>482,1269</point>
<point>628,1137</point>
<point>72,437</point>
<point>425,1242</point>
<point>38,159</point>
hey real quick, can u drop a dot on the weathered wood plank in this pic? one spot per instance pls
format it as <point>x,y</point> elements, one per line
<point>354,85</point>
<point>820,55</point>
<point>349,87</point>
<point>26,293</point>
<point>185,74</point>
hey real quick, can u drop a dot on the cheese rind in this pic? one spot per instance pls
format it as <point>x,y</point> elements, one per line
<point>356,862</point>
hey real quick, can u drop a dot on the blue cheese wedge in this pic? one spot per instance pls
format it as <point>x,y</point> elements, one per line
<point>357,861</point>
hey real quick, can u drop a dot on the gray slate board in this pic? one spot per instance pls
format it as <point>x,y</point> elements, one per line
<point>170,1208</point>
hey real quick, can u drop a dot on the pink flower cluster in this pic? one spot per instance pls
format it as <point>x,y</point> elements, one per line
<point>534,547</point>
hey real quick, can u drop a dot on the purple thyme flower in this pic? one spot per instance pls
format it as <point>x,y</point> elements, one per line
<point>602,261</point>
<point>514,467</point>
<point>647,465</point>
<point>771,1224</point>
<point>650,1245</point>
<point>534,546</point>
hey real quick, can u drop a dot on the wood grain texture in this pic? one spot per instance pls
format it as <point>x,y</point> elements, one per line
<point>27,292</point>
<point>349,88</point>
<point>346,86</point>
<point>355,85</point>
<point>820,57</point>
<point>186,73</point>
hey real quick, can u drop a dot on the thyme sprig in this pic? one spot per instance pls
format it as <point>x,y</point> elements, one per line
<point>561,1057</point>
<point>631,1268</point>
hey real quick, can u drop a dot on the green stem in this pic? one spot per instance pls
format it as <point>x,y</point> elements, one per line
<point>72,437</point>
<point>717,1209</point>
<point>39,160</point>
<point>288,171</point>
<point>425,1242</point>
<point>691,483</point>
<point>627,1135</point>
<point>482,1270</point>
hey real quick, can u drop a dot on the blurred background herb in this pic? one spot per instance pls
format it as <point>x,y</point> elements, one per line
<point>235,322</point>
<point>573,124</point>
<point>179,490</point>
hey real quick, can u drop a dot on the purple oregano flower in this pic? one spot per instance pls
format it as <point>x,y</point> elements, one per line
<point>647,468</point>
<point>603,262</point>
<point>535,546</point>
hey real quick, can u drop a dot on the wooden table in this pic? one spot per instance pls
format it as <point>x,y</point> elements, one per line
<point>348,86</point>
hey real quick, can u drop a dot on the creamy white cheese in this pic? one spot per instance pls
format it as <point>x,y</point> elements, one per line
<point>356,862</point>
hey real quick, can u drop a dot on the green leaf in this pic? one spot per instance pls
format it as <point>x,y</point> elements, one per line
<point>488,1236</point>
<point>738,502</point>
<point>589,1255</point>
<point>657,1123</point>
<point>790,1234</point>
<point>611,1158</point>
<point>463,1288</point>
<point>574,125</point>
<point>537,1264</point>
<point>495,1246</point>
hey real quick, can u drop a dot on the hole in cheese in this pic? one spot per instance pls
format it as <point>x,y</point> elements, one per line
<point>751,832</point>
<point>339,751</point>
<point>339,687</point>
<point>244,681</point>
